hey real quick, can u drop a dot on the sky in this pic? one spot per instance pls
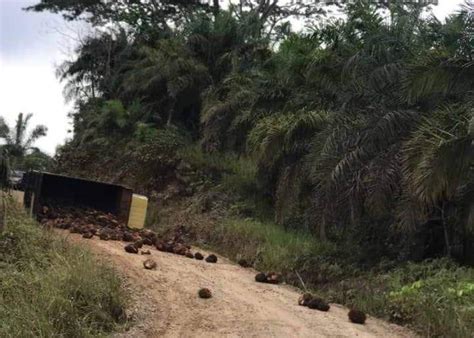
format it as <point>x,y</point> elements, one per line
<point>31,47</point>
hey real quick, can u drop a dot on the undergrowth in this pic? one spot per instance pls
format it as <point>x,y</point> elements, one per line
<point>51,289</point>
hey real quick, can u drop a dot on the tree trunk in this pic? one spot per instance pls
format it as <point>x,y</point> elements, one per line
<point>322,230</point>
<point>446,233</point>
<point>216,7</point>
<point>170,114</point>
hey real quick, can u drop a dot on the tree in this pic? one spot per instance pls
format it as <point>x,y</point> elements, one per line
<point>146,20</point>
<point>99,62</point>
<point>169,80</point>
<point>19,142</point>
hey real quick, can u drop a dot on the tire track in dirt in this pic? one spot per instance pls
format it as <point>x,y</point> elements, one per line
<point>165,301</point>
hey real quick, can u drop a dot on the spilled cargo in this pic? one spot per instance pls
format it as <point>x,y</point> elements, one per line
<point>43,189</point>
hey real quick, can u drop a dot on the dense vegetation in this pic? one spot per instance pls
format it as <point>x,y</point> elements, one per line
<point>358,123</point>
<point>356,132</point>
<point>49,288</point>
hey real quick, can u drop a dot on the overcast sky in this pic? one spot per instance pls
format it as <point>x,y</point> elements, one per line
<point>31,46</point>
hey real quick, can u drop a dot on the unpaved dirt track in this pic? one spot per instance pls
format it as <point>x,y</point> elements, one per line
<point>166,302</point>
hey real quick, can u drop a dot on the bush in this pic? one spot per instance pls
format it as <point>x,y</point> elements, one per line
<point>49,288</point>
<point>233,175</point>
<point>435,297</point>
<point>267,245</point>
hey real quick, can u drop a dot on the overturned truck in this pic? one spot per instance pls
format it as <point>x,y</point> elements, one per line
<point>42,188</point>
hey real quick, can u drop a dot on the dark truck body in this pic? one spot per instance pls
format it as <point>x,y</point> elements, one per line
<point>42,187</point>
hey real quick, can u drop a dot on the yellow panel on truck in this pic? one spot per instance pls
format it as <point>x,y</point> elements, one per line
<point>136,218</point>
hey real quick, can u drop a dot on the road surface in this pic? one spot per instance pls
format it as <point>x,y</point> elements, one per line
<point>165,301</point>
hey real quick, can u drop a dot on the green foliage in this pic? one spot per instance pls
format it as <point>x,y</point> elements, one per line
<point>156,156</point>
<point>351,128</point>
<point>19,144</point>
<point>433,297</point>
<point>36,160</point>
<point>229,173</point>
<point>436,297</point>
<point>167,69</point>
<point>49,288</point>
<point>160,148</point>
<point>354,123</point>
<point>17,140</point>
<point>359,130</point>
<point>438,158</point>
<point>272,248</point>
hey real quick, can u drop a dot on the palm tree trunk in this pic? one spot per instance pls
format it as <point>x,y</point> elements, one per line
<point>446,233</point>
<point>322,230</point>
<point>215,7</point>
<point>170,114</point>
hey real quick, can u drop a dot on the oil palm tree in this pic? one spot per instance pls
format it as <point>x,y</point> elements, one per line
<point>167,80</point>
<point>18,140</point>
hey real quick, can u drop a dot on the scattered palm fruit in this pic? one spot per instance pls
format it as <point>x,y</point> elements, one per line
<point>205,293</point>
<point>131,248</point>
<point>104,236</point>
<point>135,237</point>
<point>138,244</point>
<point>261,277</point>
<point>74,230</point>
<point>149,235</point>
<point>160,246</point>
<point>243,263</point>
<point>147,241</point>
<point>90,222</point>
<point>116,236</point>
<point>169,247</point>
<point>128,237</point>
<point>274,278</point>
<point>305,299</point>
<point>318,304</point>
<point>149,264</point>
<point>180,249</point>
<point>211,258</point>
<point>357,317</point>
<point>88,235</point>
<point>164,246</point>
<point>270,277</point>
<point>198,256</point>
<point>145,252</point>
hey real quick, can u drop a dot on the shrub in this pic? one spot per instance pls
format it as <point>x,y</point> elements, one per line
<point>435,297</point>
<point>268,245</point>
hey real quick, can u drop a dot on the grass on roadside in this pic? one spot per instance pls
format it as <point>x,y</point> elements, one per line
<point>266,244</point>
<point>50,288</point>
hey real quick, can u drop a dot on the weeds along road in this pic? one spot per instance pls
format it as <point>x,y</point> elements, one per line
<point>165,301</point>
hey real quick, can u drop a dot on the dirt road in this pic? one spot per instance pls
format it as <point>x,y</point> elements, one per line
<point>166,302</point>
